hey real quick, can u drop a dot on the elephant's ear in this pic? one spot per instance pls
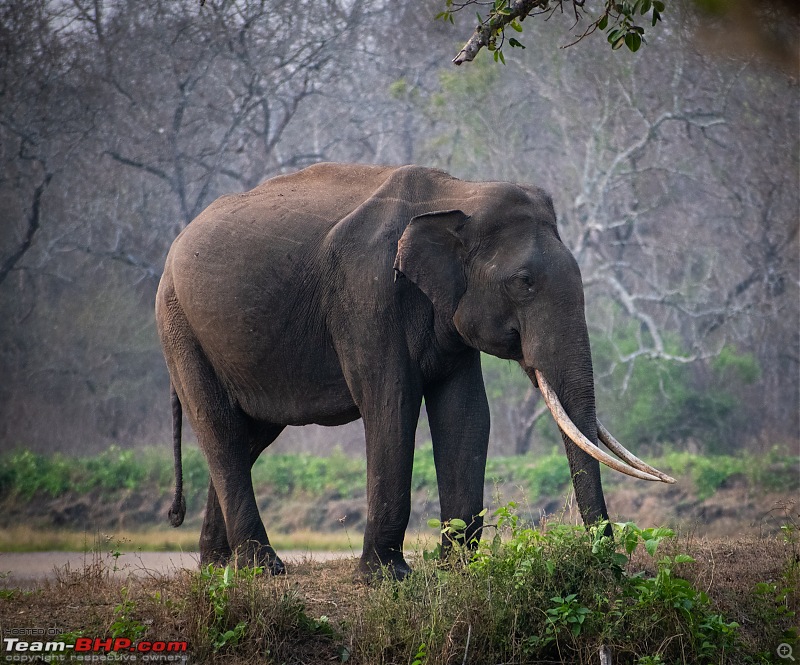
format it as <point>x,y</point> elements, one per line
<point>431,254</point>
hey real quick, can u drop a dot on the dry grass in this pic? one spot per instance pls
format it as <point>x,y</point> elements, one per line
<point>317,612</point>
<point>23,538</point>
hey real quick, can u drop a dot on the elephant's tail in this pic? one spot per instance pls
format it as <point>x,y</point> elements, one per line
<point>178,510</point>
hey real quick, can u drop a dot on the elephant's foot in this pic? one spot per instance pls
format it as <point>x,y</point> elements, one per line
<point>214,548</point>
<point>253,553</point>
<point>214,557</point>
<point>373,569</point>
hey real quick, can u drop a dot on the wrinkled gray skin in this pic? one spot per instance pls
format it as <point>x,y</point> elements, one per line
<point>347,291</point>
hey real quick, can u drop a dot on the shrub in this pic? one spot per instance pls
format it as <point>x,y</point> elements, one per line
<point>552,594</point>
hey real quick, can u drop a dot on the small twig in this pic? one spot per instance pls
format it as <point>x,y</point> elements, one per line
<point>466,648</point>
<point>713,566</point>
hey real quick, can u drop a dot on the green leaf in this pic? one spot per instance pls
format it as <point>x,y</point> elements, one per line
<point>516,26</point>
<point>515,44</point>
<point>633,41</point>
<point>659,5</point>
<point>683,558</point>
<point>457,524</point>
<point>615,35</point>
<point>603,23</point>
<point>433,523</point>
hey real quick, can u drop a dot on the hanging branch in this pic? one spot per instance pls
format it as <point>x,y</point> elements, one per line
<point>620,20</point>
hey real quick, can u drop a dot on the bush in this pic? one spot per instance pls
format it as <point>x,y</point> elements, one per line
<point>303,473</point>
<point>776,471</point>
<point>554,594</point>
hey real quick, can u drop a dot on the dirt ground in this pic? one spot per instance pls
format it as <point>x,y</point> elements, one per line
<point>29,569</point>
<point>87,596</point>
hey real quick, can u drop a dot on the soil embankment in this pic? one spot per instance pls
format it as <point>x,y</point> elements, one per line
<point>734,509</point>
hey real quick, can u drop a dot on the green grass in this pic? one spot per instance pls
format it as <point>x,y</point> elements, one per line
<point>24,473</point>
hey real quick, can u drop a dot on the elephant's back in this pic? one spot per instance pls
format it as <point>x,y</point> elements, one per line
<point>316,197</point>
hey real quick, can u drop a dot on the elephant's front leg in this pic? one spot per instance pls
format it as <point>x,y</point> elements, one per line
<point>390,410</point>
<point>458,414</point>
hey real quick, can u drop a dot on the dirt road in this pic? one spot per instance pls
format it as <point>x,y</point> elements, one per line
<point>19,568</point>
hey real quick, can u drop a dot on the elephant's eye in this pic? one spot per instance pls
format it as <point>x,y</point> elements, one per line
<point>522,281</point>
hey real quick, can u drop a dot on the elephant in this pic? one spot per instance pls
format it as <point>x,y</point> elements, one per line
<point>347,291</point>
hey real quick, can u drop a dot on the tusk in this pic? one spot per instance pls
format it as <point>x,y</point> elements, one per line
<point>620,451</point>
<point>570,429</point>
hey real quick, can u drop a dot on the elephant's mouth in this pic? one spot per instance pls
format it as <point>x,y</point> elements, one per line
<point>630,464</point>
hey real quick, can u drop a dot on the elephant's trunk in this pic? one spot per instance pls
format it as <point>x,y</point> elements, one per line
<point>573,393</point>
<point>568,391</point>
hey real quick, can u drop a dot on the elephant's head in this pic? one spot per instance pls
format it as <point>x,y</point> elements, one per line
<point>497,270</point>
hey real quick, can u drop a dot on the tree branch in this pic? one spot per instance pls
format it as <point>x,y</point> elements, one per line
<point>517,10</point>
<point>30,231</point>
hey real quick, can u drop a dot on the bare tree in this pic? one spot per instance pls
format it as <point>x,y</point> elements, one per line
<point>206,101</point>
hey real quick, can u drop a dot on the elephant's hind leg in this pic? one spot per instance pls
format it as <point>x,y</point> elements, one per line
<point>214,546</point>
<point>224,433</point>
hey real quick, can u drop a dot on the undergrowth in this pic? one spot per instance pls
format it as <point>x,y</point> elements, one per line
<point>560,593</point>
<point>523,595</point>
<point>24,473</point>
<point>236,612</point>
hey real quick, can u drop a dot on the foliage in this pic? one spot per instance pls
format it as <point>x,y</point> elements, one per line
<point>217,584</point>
<point>114,469</point>
<point>774,471</point>
<point>553,593</point>
<point>239,610</point>
<point>622,21</point>
<point>124,623</point>
<point>657,400</point>
<point>303,473</point>
<point>25,473</point>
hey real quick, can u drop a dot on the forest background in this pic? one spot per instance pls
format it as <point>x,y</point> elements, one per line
<point>674,172</point>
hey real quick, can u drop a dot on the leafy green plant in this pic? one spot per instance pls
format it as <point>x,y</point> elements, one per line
<point>556,592</point>
<point>419,657</point>
<point>124,624</point>
<point>218,584</point>
<point>566,613</point>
